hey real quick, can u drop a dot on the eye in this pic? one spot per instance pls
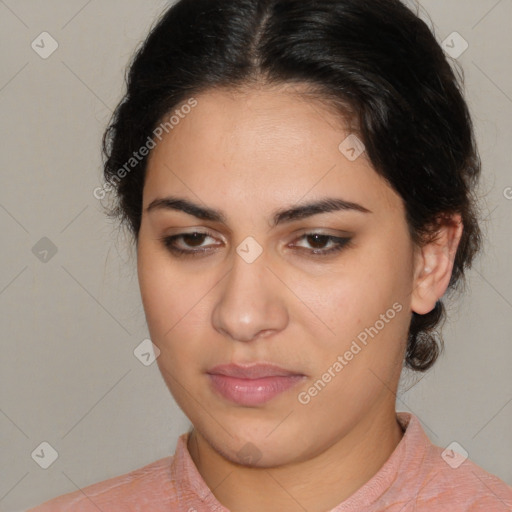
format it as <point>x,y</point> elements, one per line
<point>193,244</point>
<point>323,244</point>
<point>187,243</point>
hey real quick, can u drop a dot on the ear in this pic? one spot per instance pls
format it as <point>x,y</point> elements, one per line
<point>433,266</point>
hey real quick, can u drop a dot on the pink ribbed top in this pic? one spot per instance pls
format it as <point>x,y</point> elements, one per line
<point>414,478</point>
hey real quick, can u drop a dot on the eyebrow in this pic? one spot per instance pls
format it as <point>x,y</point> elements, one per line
<point>281,216</point>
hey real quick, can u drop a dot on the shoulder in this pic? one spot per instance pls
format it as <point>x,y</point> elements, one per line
<point>451,480</point>
<point>456,482</point>
<point>441,478</point>
<point>151,485</point>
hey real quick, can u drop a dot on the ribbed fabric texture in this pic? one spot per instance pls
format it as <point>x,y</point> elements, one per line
<point>414,478</point>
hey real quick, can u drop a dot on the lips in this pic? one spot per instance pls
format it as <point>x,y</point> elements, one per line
<point>252,385</point>
<point>256,371</point>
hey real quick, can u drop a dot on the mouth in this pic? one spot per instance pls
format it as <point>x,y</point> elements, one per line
<point>252,385</point>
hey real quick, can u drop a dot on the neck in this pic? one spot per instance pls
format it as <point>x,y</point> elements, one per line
<point>317,484</point>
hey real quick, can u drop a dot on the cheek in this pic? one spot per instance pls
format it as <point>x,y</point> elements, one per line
<point>366,301</point>
<point>351,296</point>
<point>175,304</point>
<point>165,293</point>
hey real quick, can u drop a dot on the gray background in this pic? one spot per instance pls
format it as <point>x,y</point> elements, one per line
<point>70,324</point>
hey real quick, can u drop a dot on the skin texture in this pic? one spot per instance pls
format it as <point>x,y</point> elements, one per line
<point>249,154</point>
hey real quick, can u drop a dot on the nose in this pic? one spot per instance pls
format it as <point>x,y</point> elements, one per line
<point>251,303</point>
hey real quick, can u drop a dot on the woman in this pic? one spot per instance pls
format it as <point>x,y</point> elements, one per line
<point>299,180</point>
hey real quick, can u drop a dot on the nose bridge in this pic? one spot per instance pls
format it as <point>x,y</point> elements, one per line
<point>249,303</point>
<point>245,278</point>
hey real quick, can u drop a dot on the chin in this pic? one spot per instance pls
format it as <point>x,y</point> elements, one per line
<point>255,453</point>
<point>254,444</point>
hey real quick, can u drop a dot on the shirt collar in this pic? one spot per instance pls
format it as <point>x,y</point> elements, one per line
<point>192,491</point>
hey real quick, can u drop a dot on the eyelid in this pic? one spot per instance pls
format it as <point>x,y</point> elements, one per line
<point>297,234</point>
<point>335,233</point>
<point>339,243</point>
<point>176,232</point>
<point>181,234</point>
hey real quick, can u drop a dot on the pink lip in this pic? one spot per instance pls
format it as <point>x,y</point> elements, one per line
<point>252,391</point>
<point>253,371</point>
<point>252,385</point>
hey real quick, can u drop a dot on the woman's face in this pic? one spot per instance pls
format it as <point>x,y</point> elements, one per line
<point>258,285</point>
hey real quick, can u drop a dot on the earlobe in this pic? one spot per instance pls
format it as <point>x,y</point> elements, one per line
<point>434,265</point>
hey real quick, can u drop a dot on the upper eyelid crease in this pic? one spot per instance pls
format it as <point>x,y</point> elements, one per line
<point>340,243</point>
<point>280,216</point>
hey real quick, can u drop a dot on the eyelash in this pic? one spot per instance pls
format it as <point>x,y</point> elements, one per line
<point>341,243</point>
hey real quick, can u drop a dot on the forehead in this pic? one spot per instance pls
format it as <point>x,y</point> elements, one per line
<point>272,144</point>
